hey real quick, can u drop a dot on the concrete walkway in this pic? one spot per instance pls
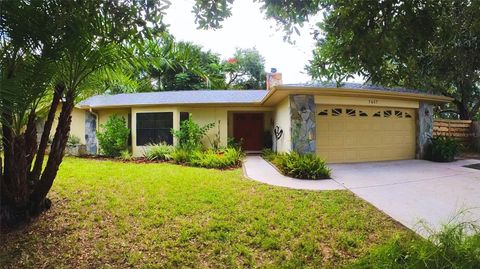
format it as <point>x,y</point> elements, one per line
<point>256,168</point>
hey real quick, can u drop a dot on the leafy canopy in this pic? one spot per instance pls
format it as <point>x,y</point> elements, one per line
<point>429,44</point>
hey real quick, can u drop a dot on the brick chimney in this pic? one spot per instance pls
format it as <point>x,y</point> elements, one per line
<point>273,78</point>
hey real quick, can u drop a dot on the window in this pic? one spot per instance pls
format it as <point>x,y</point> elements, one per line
<point>323,112</point>
<point>377,114</point>
<point>362,113</point>
<point>184,116</point>
<point>387,113</point>
<point>337,111</point>
<point>351,112</point>
<point>407,115</point>
<point>154,128</point>
<point>398,113</point>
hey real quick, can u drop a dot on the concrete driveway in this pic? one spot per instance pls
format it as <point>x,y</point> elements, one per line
<point>415,190</point>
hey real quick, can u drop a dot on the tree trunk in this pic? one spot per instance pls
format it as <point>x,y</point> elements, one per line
<point>21,198</point>
<point>47,128</point>
<point>37,198</point>
<point>463,110</point>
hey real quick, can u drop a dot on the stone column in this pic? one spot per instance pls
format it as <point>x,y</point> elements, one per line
<point>424,129</point>
<point>302,115</point>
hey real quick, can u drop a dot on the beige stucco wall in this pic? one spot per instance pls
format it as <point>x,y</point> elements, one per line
<point>138,151</point>
<point>202,116</point>
<point>77,127</point>
<point>282,119</point>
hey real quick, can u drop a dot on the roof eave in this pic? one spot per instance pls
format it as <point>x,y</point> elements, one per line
<point>357,92</point>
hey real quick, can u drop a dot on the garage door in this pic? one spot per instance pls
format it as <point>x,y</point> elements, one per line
<point>359,134</point>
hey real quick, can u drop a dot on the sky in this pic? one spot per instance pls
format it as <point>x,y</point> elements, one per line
<point>246,28</point>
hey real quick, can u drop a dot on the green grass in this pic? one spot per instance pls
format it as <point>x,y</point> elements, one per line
<point>114,214</point>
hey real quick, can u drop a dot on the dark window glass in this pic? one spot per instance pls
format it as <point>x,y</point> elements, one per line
<point>387,113</point>
<point>154,128</point>
<point>323,112</point>
<point>184,116</point>
<point>362,114</point>
<point>351,112</point>
<point>337,111</point>
<point>377,114</point>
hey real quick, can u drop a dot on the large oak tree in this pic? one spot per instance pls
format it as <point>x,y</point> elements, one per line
<point>425,44</point>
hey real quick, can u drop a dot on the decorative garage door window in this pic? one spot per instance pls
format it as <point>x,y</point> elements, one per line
<point>354,112</point>
<point>153,128</point>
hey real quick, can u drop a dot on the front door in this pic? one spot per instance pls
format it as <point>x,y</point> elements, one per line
<point>248,128</point>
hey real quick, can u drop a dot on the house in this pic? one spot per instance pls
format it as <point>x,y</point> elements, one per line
<point>351,123</point>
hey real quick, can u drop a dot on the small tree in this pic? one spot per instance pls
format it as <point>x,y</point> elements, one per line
<point>114,137</point>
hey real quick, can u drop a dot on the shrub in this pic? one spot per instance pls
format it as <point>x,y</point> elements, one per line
<point>268,154</point>
<point>190,134</point>
<point>181,156</point>
<point>302,166</point>
<point>225,158</point>
<point>113,138</point>
<point>159,152</point>
<point>73,141</point>
<point>455,246</point>
<point>444,149</point>
<point>125,155</point>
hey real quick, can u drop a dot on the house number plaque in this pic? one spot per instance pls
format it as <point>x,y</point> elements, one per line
<point>373,102</point>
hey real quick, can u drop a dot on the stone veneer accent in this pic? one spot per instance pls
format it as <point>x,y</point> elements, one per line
<point>91,133</point>
<point>303,115</point>
<point>424,129</point>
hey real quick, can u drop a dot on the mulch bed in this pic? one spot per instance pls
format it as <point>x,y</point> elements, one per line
<point>143,160</point>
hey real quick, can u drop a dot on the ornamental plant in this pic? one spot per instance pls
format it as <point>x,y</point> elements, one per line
<point>113,139</point>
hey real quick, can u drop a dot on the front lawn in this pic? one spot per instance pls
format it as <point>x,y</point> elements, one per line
<point>165,215</point>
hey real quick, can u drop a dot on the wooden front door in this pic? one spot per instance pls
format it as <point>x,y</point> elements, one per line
<point>248,128</point>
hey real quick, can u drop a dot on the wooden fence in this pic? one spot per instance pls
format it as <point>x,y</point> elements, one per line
<point>459,129</point>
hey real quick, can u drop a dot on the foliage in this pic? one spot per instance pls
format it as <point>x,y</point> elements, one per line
<point>113,138</point>
<point>246,70</point>
<point>233,143</point>
<point>190,134</point>
<point>444,148</point>
<point>197,213</point>
<point>159,152</point>
<point>126,155</point>
<point>48,58</point>
<point>268,154</point>
<point>181,156</point>
<point>455,246</point>
<point>225,158</point>
<point>73,140</point>
<point>302,166</point>
<point>429,44</point>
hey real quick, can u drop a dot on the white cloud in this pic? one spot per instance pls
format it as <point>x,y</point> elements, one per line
<point>246,28</point>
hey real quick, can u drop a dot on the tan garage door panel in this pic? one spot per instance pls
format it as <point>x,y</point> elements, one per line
<point>359,134</point>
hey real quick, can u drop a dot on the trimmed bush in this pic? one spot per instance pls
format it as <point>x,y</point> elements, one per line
<point>444,149</point>
<point>301,166</point>
<point>159,152</point>
<point>229,157</point>
<point>125,155</point>
<point>181,156</point>
<point>113,139</point>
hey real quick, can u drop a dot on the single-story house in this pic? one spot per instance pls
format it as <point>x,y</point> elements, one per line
<point>350,123</point>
